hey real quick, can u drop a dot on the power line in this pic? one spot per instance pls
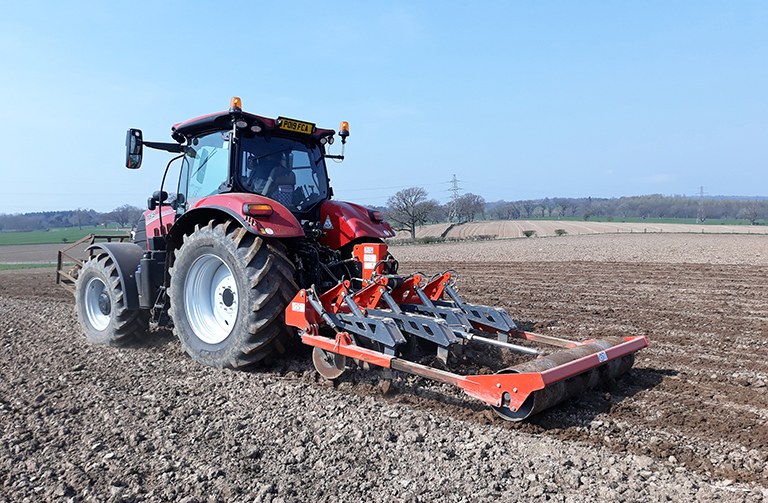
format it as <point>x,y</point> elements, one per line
<point>396,186</point>
<point>700,214</point>
<point>453,212</point>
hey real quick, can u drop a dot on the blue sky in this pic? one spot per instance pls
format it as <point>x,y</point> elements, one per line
<point>518,99</point>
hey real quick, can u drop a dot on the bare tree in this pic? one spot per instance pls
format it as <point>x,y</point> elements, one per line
<point>439,214</point>
<point>751,212</point>
<point>508,212</point>
<point>409,208</point>
<point>528,207</point>
<point>106,219</point>
<point>80,217</point>
<point>468,206</point>
<point>126,215</point>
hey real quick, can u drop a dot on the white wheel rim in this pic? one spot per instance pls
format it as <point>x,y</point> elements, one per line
<point>93,290</point>
<point>210,299</point>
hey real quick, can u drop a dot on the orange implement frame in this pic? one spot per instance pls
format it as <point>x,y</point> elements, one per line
<point>65,279</point>
<point>510,389</point>
<point>489,388</point>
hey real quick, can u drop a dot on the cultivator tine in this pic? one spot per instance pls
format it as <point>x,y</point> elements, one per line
<point>424,327</point>
<point>472,316</point>
<point>375,328</point>
<point>434,324</point>
<point>483,316</point>
<point>453,316</point>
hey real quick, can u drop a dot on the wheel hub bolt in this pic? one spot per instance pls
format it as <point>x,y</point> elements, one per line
<point>105,305</point>
<point>228,297</point>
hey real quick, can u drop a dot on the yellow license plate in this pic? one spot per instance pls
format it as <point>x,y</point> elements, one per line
<point>295,126</point>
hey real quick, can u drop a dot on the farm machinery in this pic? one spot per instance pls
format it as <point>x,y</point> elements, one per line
<point>252,251</point>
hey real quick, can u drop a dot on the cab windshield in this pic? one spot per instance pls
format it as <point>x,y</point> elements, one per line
<point>285,170</point>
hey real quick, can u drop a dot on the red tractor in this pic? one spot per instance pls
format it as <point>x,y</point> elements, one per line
<point>251,249</point>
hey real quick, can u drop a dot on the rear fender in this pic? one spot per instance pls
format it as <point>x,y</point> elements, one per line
<point>127,257</point>
<point>281,224</point>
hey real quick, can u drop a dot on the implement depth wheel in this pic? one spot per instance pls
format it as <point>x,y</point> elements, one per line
<point>228,291</point>
<point>329,365</point>
<point>100,305</point>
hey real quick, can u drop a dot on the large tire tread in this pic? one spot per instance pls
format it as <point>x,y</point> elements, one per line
<point>126,326</point>
<point>268,275</point>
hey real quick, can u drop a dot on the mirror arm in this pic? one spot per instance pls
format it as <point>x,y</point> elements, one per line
<point>168,147</point>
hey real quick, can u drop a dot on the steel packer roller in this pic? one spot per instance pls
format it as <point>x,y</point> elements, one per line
<point>378,318</point>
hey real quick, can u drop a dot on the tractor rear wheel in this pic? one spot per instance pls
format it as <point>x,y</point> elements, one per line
<point>229,289</point>
<point>100,305</point>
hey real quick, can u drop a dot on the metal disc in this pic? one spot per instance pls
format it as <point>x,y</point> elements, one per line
<point>505,411</point>
<point>329,365</point>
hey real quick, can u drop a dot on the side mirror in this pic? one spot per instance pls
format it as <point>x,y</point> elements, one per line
<point>134,149</point>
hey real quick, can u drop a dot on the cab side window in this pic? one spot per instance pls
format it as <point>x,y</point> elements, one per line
<point>306,177</point>
<point>207,165</point>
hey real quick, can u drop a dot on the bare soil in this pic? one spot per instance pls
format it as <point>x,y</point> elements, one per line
<point>145,423</point>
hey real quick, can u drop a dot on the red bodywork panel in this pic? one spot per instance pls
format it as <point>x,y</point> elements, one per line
<point>152,220</point>
<point>280,224</point>
<point>345,222</point>
<point>342,222</point>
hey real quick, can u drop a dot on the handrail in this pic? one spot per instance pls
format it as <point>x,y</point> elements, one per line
<point>65,279</point>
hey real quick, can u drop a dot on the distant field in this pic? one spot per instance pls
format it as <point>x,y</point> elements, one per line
<point>688,221</point>
<point>660,248</point>
<point>8,267</point>
<point>515,228</point>
<point>53,236</point>
<point>37,254</point>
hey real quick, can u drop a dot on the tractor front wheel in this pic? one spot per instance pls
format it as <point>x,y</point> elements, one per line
<point>100,305</point>
<point>229,289</point>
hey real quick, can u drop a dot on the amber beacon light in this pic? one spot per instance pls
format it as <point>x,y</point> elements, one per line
<point>344,131</point>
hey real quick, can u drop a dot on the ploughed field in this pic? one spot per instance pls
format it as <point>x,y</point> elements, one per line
<point>145,423</point>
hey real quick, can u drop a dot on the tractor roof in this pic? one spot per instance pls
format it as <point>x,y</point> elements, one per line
<point>223,120</point>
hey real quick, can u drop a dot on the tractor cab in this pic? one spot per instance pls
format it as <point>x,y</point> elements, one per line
<point>237,152</point>
<point>281,159</point>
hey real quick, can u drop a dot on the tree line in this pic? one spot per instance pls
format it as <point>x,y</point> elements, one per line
<point>411,207</point>
<point>122,216</point>
<point>647,206</point>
